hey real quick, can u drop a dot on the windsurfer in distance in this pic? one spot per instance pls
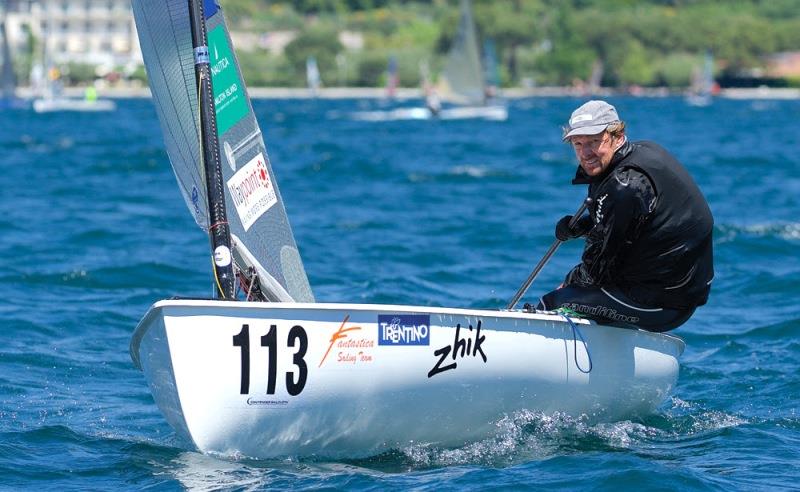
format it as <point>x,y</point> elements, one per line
<point>432,101</point>
<point>648,258</point>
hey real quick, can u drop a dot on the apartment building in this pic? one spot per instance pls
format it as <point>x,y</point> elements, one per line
<point>100,32</point>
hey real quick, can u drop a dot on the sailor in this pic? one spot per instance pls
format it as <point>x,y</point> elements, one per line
<point>432,101</point>
<point>90,94</point>
<point>648,259</point>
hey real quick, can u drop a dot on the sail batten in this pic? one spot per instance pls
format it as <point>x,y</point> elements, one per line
<point>256,213</point>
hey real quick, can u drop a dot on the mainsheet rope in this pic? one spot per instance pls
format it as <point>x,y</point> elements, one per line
<point>576,333</point>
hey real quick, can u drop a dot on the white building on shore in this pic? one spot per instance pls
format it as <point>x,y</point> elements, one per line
<point>98,32</point>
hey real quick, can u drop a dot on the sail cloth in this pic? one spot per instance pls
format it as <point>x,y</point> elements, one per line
<point>8,80</point>
<point>262,236</point>
<point>463,76</point>
<point>312,74</point>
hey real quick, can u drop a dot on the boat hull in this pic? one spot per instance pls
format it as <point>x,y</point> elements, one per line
<point>490,112</point>
<point>493,113</point>
<point>49,105</point>
<point>276,379</point>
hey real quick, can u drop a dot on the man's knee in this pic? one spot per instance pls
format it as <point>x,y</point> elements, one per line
<point>552,300</point>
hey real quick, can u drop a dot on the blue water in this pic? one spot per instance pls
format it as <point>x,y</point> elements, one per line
<point>419,212</point>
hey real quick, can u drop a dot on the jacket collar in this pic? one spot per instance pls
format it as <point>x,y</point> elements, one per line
<point>622,152</point>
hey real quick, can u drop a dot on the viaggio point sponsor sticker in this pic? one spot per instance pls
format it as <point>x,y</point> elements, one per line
<point>252,191</point>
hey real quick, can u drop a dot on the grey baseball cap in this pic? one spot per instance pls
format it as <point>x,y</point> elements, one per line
<point>590,119</point>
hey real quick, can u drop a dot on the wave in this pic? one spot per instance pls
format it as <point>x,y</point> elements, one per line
<point>730,232</point>
<point>462,172</point>
<point>136,275</point>
<point>52,456</point>
<point>533,436</point>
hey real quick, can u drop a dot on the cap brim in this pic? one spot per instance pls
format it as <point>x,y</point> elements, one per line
<point>586,130</point>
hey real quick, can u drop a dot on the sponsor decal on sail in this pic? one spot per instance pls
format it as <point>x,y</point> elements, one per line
<point>230,100</point>
<point>252,191</point>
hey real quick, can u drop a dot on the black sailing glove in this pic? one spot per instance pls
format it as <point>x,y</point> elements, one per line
<point>564,232</point>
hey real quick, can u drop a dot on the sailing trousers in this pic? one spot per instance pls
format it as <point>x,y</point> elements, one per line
<point>608,305</point>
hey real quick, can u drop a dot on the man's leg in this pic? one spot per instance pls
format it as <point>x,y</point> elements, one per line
<point>608,305</point>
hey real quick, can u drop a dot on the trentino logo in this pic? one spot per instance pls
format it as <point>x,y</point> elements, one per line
<point>404,329</point>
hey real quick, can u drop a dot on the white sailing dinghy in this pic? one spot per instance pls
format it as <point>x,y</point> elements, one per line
<point>52,103</point>
<point>464,79</point>
<point>51,98</point>
<point>463,84</point>
<point>312,76</point>
<point>8,79</point>
<point>701,89</point>
<point>283,375</point>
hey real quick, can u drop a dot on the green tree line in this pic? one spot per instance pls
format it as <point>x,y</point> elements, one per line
<point>543,42</point>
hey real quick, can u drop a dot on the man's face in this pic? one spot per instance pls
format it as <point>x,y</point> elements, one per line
<point>594,152</point>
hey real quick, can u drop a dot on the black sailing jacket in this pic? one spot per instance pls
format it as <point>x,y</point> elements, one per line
<point>652,230</point>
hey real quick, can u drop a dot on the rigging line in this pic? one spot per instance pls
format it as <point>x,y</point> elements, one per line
<point>576,330</point>
<point>245,284</point>
<point>237,290</point>
<point>216,278</point>
<point>241,285</point>
<point>200,131</point>
<point>250,286</point>
<point>237,275</point>
<point>249,291</point>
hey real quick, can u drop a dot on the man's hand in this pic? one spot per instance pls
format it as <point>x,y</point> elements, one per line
<point>564,232</point>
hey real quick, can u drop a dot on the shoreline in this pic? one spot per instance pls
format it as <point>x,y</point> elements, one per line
<point>415,93</point>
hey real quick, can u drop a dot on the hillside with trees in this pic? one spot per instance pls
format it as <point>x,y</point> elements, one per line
<point>649,43</point>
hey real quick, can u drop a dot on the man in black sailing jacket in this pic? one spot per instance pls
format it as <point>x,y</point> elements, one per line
<point>648,257</point>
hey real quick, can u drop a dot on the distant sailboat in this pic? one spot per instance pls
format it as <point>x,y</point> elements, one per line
<point>312,76</point>
<point>50,97</point>
<point>491,70</point>
<point>427,112</point>
<point>54,101</point>
<point>463,81</point>
<point>8,79</point>
<point>596,77</point>
<point>703,86</point>
<point>392,78</point>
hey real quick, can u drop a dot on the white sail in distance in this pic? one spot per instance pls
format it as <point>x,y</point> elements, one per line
<point>312,75</point>
<point>463,80</point>
<point>262,236</point>
<point>8,80</point>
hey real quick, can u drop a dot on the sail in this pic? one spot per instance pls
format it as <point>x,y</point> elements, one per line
<point>8,80</point>
<point>312,75</point>
<point>702,86</point>
<point>708,73</point>
<point>262,236</point>
<point>463,75</point>
<point>392,77</point>
<point>490,69</point>
<point>596,77</point>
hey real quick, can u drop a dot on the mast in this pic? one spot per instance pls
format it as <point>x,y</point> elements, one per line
<point>218,230</point>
